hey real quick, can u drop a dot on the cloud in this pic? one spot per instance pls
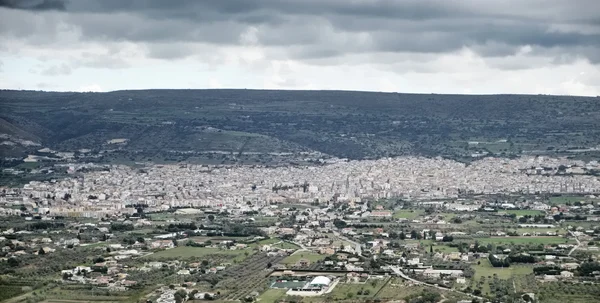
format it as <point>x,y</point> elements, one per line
<point>57,70</point>
<point>374,37</point>
<point>315,28</point>
<point>34,4</point>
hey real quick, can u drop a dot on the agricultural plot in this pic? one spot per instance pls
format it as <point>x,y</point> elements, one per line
<point>185,252</point>
<point>521,231</point>
<point>398,289</point>
<point>485,272</point>
<point>286,245</point>
<point>311,256</point>
<point>524,212</point>
<point>251,275</point>
<point>408,214</point>
<point>9,291</point>
<point>274,242</point>
<point>565,199</point>
<point>348,291</point>
<point>525,240</point>
<point>271,295</point>
<point>444,249</point>
<point>555,292</point>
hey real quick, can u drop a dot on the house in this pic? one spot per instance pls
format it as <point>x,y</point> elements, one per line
<point>326,251</point>
<point>455,256</point>
<point>566,274</point>
<point>162,244</point>
<point>569,266</point>
<point>303,263</point>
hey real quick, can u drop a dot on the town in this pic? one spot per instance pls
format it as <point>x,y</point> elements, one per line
<point>496,230</point>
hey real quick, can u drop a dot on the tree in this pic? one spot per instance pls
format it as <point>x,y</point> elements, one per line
<point>339,223</point>
<point>211,218</point>
<point>192,294</point>
<point>413,234</point>
<point>13,262</point>
<point>269,265</point>
<point>99,260</point>
<point>41,251</point>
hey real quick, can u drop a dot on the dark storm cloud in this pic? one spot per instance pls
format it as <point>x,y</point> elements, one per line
<point>311,29</point>
<point>34,4</point>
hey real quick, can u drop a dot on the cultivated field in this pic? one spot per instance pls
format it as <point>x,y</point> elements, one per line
<point>185,252</point>
<point>524,212</point>
<point>293,259</point>
<point>408,214</point>
<point>524,240</point>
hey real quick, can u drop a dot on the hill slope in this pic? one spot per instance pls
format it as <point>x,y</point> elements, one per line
<point>340,123</point>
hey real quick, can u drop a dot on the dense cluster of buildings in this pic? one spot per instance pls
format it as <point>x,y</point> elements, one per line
<point>101,192</point>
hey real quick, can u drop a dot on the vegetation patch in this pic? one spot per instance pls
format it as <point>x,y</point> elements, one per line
<point>408,214</point>
<point>310,256</point>
<point>184,252</point>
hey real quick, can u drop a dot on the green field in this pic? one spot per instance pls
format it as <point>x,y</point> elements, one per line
<point>269,241</point>
<point>444,249</point>
<point>397,289</point>
<point>346,291</point>
<point>271,295</point>
<point>408,214</point>
<point>520,231</point>
<point>286,245</point>
<point>487,271</point>
<point>524,212</point>
<point>184,252</point>
<point>524,240</point>
<point>274,242</point>
<point>565,199</point>
<point>311,256</point>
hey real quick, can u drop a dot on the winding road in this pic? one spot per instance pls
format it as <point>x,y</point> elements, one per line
<point>576,246</point>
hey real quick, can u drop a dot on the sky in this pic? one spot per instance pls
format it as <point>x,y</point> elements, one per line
<point>424,46</point>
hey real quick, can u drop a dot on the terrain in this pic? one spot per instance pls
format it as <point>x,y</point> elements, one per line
<point>257,126</point>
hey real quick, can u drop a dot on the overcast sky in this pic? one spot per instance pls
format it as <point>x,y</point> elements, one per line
<point>466,46</point>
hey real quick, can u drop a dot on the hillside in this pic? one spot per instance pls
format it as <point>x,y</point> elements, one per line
<point>180,124</point>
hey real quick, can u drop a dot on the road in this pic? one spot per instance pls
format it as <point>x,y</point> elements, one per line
<point>576,246</point>
<point>357,246</point>
<point>398,271</point>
